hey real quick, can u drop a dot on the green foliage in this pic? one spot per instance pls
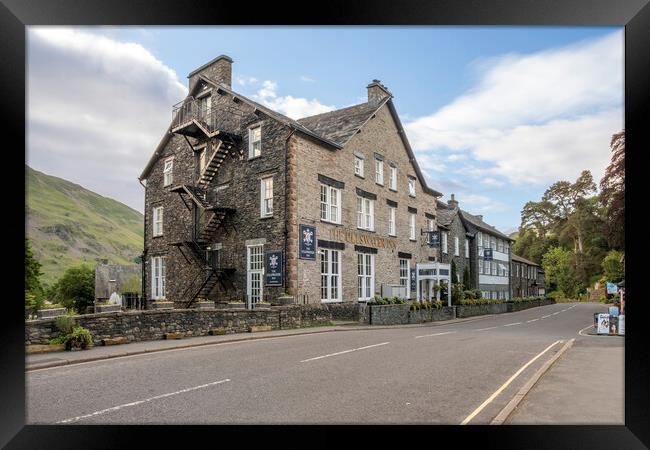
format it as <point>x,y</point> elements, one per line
<point>32,270</point>
<point>454,272</point>
<point>76,288</point>
<point>79,338</point>
<point>437,304</point>
<point>33,302</point>
<point>481,301</point>
<point>415,305</point>
<point>132,285</point>
<point>466,277</point>
<point>560,272</point>
<point>457,293</point>
<point>612,193</point>
<point>612,267</point>
<point>64,324</point>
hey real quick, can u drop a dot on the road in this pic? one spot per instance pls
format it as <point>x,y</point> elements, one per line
<point>444,374</point>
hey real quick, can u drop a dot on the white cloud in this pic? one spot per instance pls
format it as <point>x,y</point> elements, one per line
<point>430,162</point>
<point>293,107</point>
<point>480,203</point>
<point>535,118</point>
<point>96,108</point>
<point>243,80</point>
<point>456,157</point>
<point>307,79</point>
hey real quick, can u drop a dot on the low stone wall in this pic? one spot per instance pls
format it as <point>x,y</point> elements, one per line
<point>152,325</point>
<point>480,310</point>
<point>346,311</point>
<point>432,315</point>
<point>520,306</point>
<point>389,314</point>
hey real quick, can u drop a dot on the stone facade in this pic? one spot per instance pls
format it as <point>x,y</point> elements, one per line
<point>455,229</point>
<point>526,278</point>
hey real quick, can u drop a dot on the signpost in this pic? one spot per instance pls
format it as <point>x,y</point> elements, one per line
<point>612,288</point>
<point>274,268</point>
<point>487,254</point>
<point>603,324</point>
<point>307,242</point>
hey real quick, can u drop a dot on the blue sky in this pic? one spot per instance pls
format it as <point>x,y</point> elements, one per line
<point>495,114</point>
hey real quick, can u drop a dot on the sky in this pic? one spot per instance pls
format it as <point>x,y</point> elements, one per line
<point>495,115</point>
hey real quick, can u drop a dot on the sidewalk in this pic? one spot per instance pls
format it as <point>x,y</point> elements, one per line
<point>45,360</point>
<point>585,386</point>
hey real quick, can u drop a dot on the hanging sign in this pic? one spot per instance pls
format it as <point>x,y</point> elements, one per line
<point>307,242</point>
<point>612,288</point>
<point>433,238</point>
<point>414,286</point>
<point>274,268</point>
<point>487,254</point>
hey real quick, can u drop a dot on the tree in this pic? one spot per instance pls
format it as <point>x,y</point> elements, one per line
<point>466,278</point>
<point>454,273</point>
<point>32,270</point>
<point>559,267</point>
<point>76,288</point>
<point>612,193</point>
<point>613,267</point>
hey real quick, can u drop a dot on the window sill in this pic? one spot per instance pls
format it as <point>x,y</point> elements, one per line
<point>331,223</point>
<point>393,190</point>
<point>359,176</point>
<point>266,217</point>
<point>365,229</point>
<point>250,158</point>
<point>379,184</point>
<point>157,236</point>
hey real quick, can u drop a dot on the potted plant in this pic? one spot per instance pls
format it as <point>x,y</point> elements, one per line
<point>162,304</point>
<point>262,305</point>
<point>203,303</point>
<point>235,303</point>
<point>283,299</point>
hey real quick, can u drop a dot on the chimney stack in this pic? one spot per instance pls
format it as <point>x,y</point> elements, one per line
<point>377,92</point>
<point>218,70</point>
<point>452,202</point>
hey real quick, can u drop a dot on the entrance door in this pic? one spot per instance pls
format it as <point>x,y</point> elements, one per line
<point>254,274</point>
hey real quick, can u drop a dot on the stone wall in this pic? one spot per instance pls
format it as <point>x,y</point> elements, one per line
<point>520,306</point>
<point>152,325</point>
<point>389,314</point>
<point>480,310</point>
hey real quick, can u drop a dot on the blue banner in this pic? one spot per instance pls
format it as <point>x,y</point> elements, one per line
<point>487,254</point>
<point>307,242</point>
<point>433,238</point>
<point>274,268</point>
<point>414,285</point>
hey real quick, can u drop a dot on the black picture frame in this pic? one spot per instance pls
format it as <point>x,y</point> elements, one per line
<point>15,15</point>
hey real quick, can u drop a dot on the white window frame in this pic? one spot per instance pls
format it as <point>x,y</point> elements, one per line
<point>379,171</point>
<point>480,240</point>
<point>358,165</point>
<point>365,213</point>
<point>495,268</point>
<point>392,177</point>
<point>157,221</point>
<point>466,248</point>
<point>330,204</point>
<point>168,172</point>
<point>253,273</point>
<point>444,242</point>
<point>158,269</point>
<point>480,266</point>
<point>253,151</point>
<point>412,226</point>
<point>405,275</point>
<point>331,274</point>
<point>411,186</point>
<point>266,200</point>
<point>365,280</point>
<point>456,246</point>
<point>392,215</point>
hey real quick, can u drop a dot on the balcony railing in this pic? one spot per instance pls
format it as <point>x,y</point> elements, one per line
<point>217,118</point>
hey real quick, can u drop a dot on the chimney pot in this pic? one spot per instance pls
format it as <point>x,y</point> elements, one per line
<point>377,92</point>
<point>452,202</point>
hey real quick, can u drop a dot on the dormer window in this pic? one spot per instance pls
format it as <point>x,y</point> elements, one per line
<point>412,187</point>
<point>255,142</point>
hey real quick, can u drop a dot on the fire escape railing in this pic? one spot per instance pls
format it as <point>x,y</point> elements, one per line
<point>216,118</point>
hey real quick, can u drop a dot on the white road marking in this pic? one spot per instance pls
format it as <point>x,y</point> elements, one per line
<point>344,351</point>
<point>489,328</point>
<point>533,320</point>
<point>544,317</point>
<point>506,384</point>
<point>557,312</point>
<point>586,335</point>
<point>139,402</point>
<point>511,324</point>
<point>434,334</point>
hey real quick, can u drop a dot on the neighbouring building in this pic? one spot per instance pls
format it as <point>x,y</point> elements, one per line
<point>526,278</point>
<point>489,257</point>
<point>244,202</point>
<point>124,280</point>
<point>455,241</point>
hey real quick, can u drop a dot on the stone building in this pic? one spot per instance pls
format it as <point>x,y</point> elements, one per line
<point>526,278</point>
<point>124,280</point>
<point>243,202</point>
<point>455,241</point>
<point>489,257</point>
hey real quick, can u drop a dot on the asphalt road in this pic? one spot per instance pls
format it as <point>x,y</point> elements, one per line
<point>428,374</point>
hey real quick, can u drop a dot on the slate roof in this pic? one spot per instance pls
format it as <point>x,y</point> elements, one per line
<point>523,260</point>
<point>445,214</point>
<point>340,125</point>
<point>478,223</point>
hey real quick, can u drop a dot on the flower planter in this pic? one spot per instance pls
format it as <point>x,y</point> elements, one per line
<point>284,300</point>
<point>204,306</point>
<point>107,308</point>
<point>262,306</point>
<point>52,312</point>
<point>162,305</point>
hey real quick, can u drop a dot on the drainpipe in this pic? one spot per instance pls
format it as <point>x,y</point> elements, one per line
<point>286,201</point>
<point>143,257</point>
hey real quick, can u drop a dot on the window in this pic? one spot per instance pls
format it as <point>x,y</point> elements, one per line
<point>412,226</point>
<point>456,246</point>
<point>393,178</point>
<point>365,213</point>
<point>466,248</point>
<point>205,106</point>
<point>391,221</point>
<point>158,277</point>
<point>158,221</point>
<point>444,242</point>
<point>480,266</point>
<point>255,272</point>
<point>365,276</point>
<point>379,171</point>
<point>493,243</point>
<point>412,187</point>
<point>480,240</point>
<point>330,275</point>
<point>506,247</point>
<point>168,174</point>
<point>499,245</point>
<point>330,199</point>
<point>254,142</point>
<point>404,275</point>
<point>358,165</point>
<point>266,197</point>
<point>494,267</point>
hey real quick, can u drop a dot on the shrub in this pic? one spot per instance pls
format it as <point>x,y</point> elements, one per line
<point>64,324</point>
<point>415,306</point>
<point>79,338</point>
<point>437,304</point>
<point>33,302</point>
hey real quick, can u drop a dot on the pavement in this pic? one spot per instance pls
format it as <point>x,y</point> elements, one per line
<point>584,387</point>
<point>452,372</point>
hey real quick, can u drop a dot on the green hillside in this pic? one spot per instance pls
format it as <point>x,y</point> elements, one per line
<point>67,225</point>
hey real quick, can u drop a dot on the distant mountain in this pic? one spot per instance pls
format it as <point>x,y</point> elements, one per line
<point>514,235</point>
<point>68,225</point>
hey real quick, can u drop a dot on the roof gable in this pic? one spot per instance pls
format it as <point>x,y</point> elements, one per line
<point>475,222</point>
